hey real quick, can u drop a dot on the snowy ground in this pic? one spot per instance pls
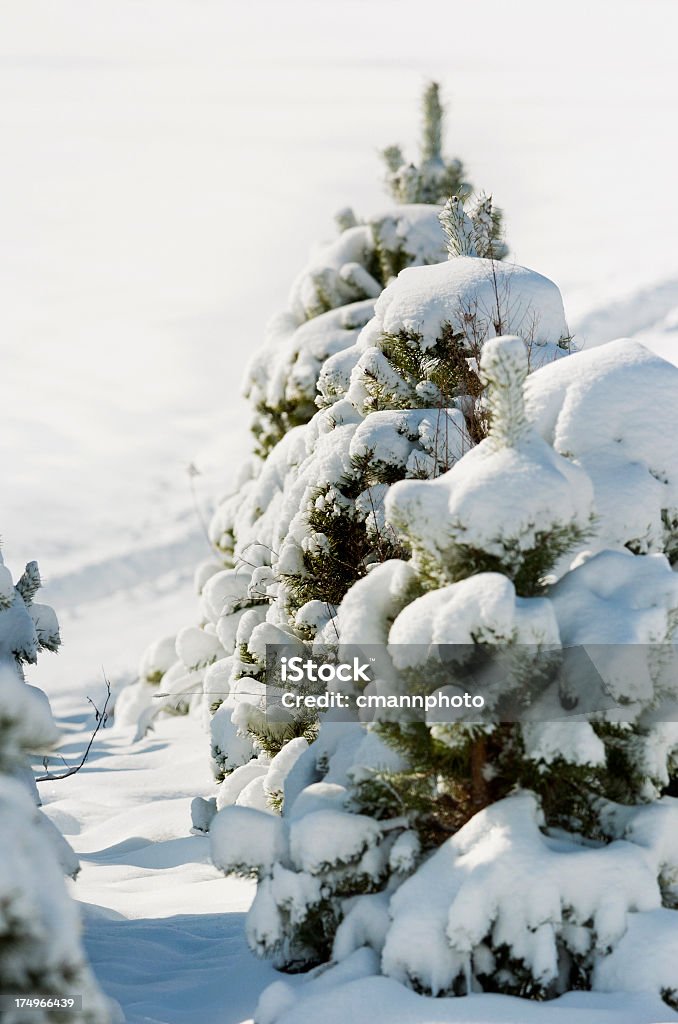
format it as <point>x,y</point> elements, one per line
<point>167,165</point>
<point>164,930</point>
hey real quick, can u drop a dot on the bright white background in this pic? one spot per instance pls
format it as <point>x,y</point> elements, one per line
<point>167,165</point>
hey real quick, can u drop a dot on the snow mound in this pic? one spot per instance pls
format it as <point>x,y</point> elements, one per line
<point>349,991</point>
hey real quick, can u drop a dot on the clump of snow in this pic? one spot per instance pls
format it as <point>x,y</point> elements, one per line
<point>282,764</point>
<point>224,593</point>
<point>501,882</point>
<point>481,609</point>
<point>316,796</point>
<point>198,647</point>
<point>615,410</point>
<point>334,379</point>
<point>620,606</point>
<point>616,598</point>
<point>421,442</point>
<point>326,838</point>
<point>246,840</point>
<point>254,795</point>
<point>230,747</point>
<point>369,604</point>
<point>285,371</point>
<point>574,742</point>
<point>498,297</point>
<point>653,826</point>
<point>236,783</point>
<point>321,285</point>
<point>202,813</point>
<point>26,723</point>
<point>410,232</point>
<point>646,957</point>
<point>405,852</point>
<point>366,924</point>
<point>157,659</point>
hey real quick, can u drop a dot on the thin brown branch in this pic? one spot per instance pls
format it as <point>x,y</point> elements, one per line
<point>101,719</point>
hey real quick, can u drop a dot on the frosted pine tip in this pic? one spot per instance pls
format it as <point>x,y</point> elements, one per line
<point>503,367</point>
<point>504,360</point>
<point>458,227</point>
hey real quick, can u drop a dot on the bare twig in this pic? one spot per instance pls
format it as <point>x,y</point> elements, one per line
<point>101,719</point>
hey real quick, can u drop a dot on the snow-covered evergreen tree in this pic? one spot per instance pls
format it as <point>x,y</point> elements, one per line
<point>554,852</point>
<point>249,581</point>
<point>333,296</point>
<point>435,177</point>
<point>435,467</point>
<point>40,947</point>
<point>312,522</point>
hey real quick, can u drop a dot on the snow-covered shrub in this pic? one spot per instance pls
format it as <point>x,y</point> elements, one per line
<point>503,904</point>
<point>307,520</point>
<point>40,927</point>
<point>26,628</point>
<point>437,468</point>
<point>435,178</point>
<point>313,521</point>
<point>488,539</point>
<point>321,868</point>
<point>553,834</point>
<point>411,406</point>
<point>40,947</point>
<point>333,296</point>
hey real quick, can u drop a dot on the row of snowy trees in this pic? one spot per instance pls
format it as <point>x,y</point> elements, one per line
<point>437,467</point>
<point>40,948</point>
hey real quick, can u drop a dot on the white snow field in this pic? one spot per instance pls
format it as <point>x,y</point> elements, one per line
<point>163,930</point>
<point>166,166</point>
